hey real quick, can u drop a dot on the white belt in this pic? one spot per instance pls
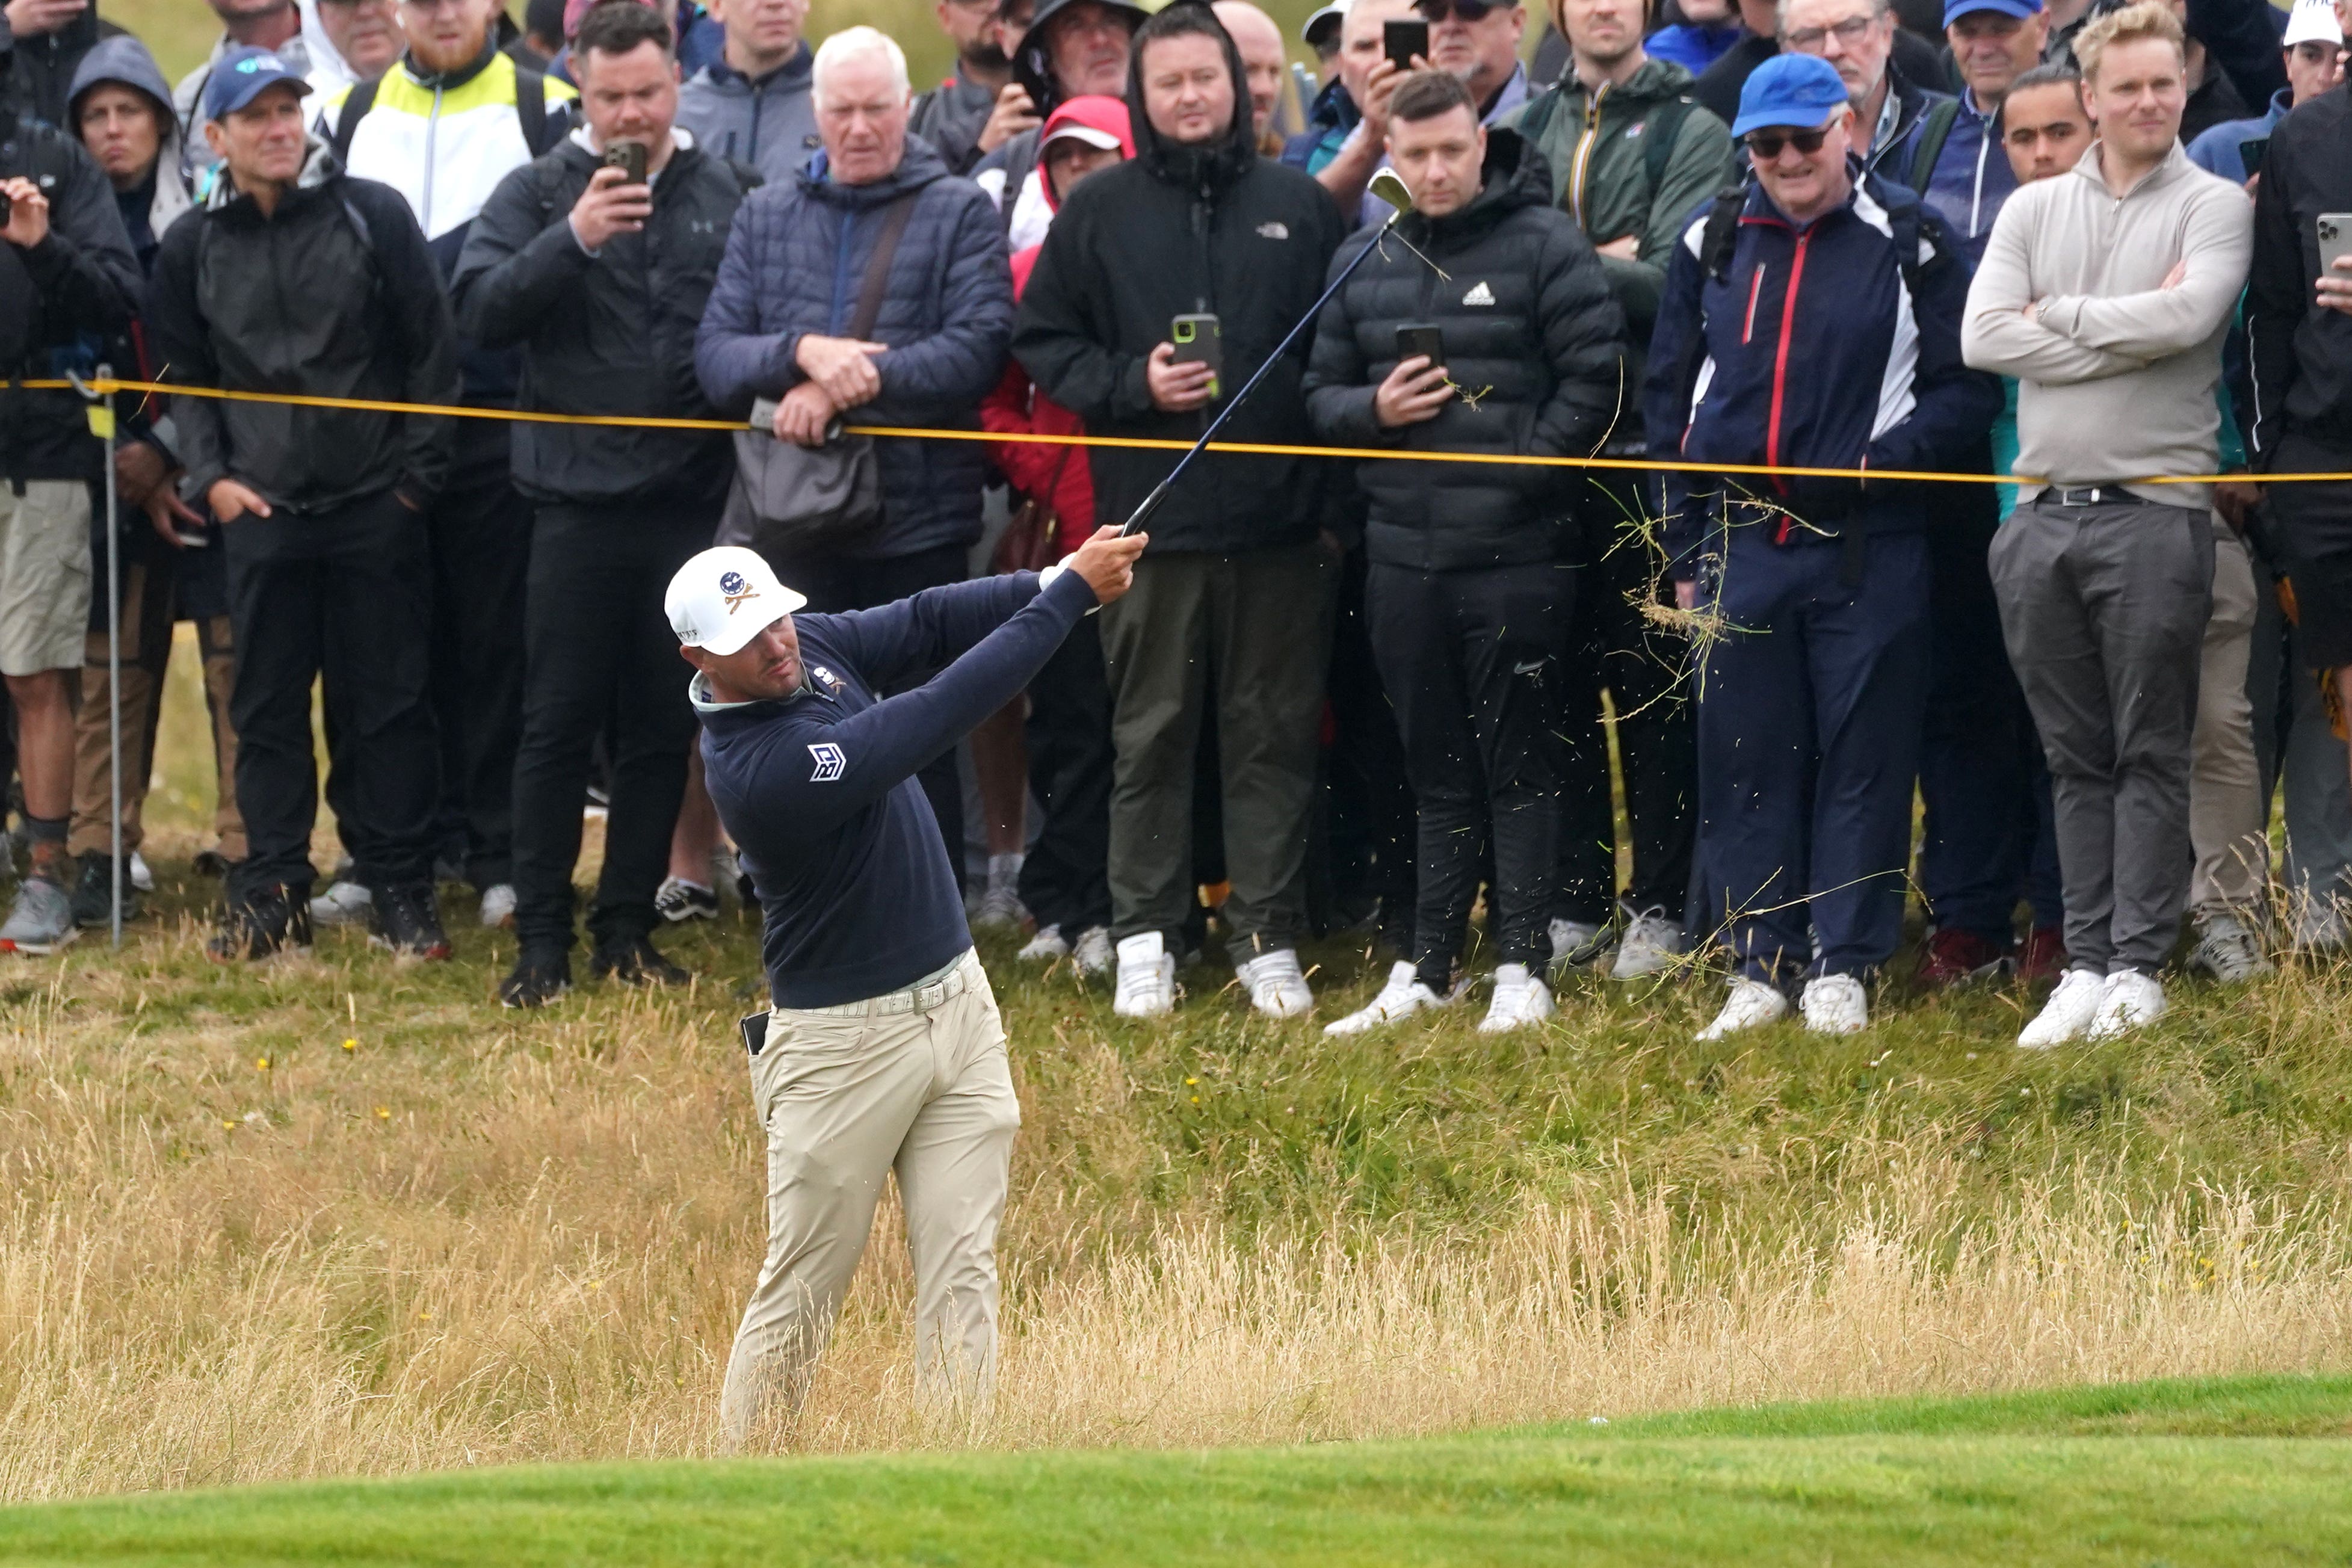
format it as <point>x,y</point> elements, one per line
<point>930,992</point>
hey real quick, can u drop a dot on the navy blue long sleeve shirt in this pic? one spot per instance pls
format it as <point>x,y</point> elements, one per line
<point>819,792</point>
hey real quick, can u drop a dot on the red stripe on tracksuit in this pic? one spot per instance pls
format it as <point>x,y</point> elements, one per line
<point>1780,364</point>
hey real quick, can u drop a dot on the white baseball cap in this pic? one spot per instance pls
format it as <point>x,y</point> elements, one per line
<point>724,597</point>
<point>2313,22</point>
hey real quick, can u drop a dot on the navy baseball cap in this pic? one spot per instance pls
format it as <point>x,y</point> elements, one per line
<point>1801,91</point>
<point>2020,9</point>
<point>243,74</point>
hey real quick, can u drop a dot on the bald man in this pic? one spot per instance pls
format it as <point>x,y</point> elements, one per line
<point>1264,61</point>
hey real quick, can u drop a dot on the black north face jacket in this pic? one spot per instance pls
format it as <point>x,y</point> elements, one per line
<point>1176,231</point>
<point>1534,339</point>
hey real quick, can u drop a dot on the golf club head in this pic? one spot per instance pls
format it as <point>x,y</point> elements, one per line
<point>1389,188</point>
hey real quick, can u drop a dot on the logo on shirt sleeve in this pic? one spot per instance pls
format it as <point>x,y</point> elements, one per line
<point>830,761</point>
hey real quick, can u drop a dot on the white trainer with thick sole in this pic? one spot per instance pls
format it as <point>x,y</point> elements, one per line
<point>1147,978</point>
<point>1835,1004</point>
<point>1276,988</point>
<point>2066,1016</point>
<point>1044,947</point>
<point>2131,1001</point>
<point>1751,1005</point>
<point>1400,999</point>
<point>1521,1000</point>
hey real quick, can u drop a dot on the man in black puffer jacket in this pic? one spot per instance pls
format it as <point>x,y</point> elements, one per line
<point>1471,584</point>
<point>1233,597</point>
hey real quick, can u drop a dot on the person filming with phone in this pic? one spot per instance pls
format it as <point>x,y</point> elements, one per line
<point>1164,284</point>
<point>1472,585</point>
<point>595,261</point>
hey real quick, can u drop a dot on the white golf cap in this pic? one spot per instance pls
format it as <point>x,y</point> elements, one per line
<point>2313,22</point>
<point>724,597</point>
<point>1323,19</point>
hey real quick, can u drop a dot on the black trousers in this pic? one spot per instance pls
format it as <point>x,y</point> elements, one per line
<point>1471,662</point>
<point>599,651</point>
<point>1644,668</point>
<point>343,597</point>
<point>1065,879</point>
<point>834,584</point>
<point>1367,802</point>
<point>481,551</point>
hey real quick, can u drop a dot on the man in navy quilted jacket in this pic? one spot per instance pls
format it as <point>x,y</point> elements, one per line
<point>779,321</point>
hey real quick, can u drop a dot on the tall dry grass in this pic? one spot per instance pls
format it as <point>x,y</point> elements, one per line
<point>532,1242</point>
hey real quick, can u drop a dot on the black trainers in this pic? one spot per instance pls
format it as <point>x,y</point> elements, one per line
<point>93,893</point>
<point>539,977</point>
<point>408,919</point>
<point>634,960</point>
<point>256,924</point>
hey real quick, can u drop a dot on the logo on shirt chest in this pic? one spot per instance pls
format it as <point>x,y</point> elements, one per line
<point>825,678</point>
<point>830,761</point>
<point>1480,294</point>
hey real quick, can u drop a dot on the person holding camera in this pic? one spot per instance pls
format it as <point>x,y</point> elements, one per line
<point>1198,237</point>
<point>293,277</point>
<point>1472,583</point>
<point>595,261</point>
<point>1811,319</point>
<point>68,278</point>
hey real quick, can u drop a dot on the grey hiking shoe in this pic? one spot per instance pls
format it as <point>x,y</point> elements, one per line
<point>2228,949</point>
<point>41,920</point>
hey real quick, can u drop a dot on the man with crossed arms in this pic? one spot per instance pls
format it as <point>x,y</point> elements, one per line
<point>883,1049</point>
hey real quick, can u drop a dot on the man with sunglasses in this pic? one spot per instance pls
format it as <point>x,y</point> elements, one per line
<point>1813,320</point>
<point>1478,41</point>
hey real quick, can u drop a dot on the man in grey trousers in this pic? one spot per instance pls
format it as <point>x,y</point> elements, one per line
<point>2107,292</point>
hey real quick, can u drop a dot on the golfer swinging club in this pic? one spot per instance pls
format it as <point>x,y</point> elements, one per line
<point>883,1050</point>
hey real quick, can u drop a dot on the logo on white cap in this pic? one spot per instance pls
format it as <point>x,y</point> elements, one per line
<point>709,590</point>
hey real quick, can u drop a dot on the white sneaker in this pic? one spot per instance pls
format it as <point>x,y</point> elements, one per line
<point>2319,926</point>
<point>498,905</point>
<point>2067,1015</point>
<point>1044,947</point>
<point>1001,907</point>
<point>1835,1004</point>
<point>1092,952</point>
<point>2130,1001</point>
<point>342,904</point>
<point>1751,1005</point>
<point>1581,939</point>
<point>1520,999</point>
<point>1147,978</point>
<point>1651,944</point>
<point>1400,999</point>
<point>2228,950</point>
<point>141,876</point>
<point>1276,988</point>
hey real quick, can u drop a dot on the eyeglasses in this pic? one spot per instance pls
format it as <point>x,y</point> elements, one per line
<point>1767,144</point>
<point>1471,11</point>
<point>1850,32</point>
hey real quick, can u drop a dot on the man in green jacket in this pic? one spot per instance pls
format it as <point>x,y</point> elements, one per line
<point>1631,159</point>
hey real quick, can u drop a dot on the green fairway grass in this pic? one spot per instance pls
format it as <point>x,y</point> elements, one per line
<point>2235,1471</point>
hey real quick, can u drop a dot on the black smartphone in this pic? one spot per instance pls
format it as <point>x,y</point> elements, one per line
<point>1421,338</point>
<point>1400,39</point>
<point>1199,341</point>
<point>629,157</point>
<point>2251,155</point>
<point>755,1032</point>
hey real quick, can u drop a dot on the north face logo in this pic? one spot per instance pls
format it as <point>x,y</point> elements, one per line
<point>1480,294</point>
<point>829,761</point>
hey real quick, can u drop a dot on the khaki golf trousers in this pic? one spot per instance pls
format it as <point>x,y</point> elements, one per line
<point>915,1082</point>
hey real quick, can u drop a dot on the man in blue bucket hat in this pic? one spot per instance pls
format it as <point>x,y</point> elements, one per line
<point>1811,320</point>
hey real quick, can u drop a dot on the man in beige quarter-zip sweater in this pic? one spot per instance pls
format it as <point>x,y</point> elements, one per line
<point>2107,292</point>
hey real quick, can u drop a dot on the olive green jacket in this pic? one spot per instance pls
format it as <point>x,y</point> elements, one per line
<point>1601,175</point>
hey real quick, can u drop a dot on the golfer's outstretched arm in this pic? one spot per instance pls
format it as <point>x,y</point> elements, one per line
<point>924,630</point>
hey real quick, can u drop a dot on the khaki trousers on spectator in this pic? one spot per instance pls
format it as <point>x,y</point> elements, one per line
<point>847,1096</point>
<point>2227,813</point>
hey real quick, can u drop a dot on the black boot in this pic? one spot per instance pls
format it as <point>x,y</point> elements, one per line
<point>408,919</point>
<point>256,924</point>
<point>540,976</point>
<point>93,893</point>
<point>634,960</point>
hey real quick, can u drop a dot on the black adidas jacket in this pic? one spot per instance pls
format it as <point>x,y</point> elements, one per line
<point>609,333</point>
<point>1175,231</point>
<point>335,295</point>
<point>2301,355</point>
<point>1534,338</point>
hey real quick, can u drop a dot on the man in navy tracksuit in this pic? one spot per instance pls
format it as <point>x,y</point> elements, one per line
<point>1812,321</point>
<point>884,1051</point>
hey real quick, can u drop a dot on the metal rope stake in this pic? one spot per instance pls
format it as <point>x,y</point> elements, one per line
<point>102,425</point>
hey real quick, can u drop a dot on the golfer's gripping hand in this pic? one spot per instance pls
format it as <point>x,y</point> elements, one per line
<point>1108,562</point>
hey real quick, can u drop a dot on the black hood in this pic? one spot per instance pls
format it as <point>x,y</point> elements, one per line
<point>1514,175</point>
<point>1034,71</point>
<point>1212,165</point>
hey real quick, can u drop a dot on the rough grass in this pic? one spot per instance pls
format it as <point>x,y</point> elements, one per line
<point>339,1216</point>
<point>2254,1470</point>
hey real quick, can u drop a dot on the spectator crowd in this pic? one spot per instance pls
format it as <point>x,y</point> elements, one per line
<point>1806,274</point>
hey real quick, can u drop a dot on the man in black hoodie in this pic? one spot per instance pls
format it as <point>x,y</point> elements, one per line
<point>1472,591</point>
<point>1232,603</point>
